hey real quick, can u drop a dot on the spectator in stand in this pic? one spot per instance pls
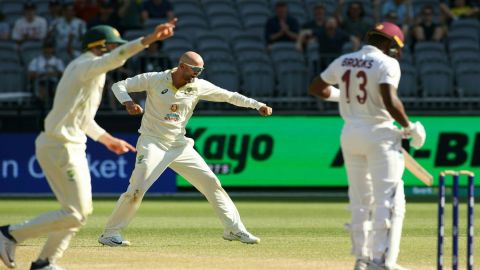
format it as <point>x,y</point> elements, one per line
<point>459,9</point>
<point>332,39</point>
<point>281,27</point>
<point>54,11</point>
<point>106,15</point>
<point>426,29</point>
<point>30,26</point>
<point>4,28</point>
<point>44,71</point>
<point>67,32</point>
<point>157,9</point>
<point>402,9</point>
<point>307,32</point>
<point>354,21</point>
<point>86,9</point>
<point>129,14</point>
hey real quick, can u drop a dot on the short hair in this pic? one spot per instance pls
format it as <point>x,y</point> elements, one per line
<point>281,4</point>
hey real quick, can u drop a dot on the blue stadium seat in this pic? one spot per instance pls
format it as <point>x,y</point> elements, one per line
<point>282,52</point>
<point>428,46</point>
<point>175,46</point>
<point>408,81</point>
<point>437,81</point>
<point>258,79</point>
<point>292,79</point>
<point>29,50</point>
<point>223,74</point>
<point>468,80</point>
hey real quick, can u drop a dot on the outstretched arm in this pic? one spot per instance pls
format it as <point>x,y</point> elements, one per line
<point>119,55</point>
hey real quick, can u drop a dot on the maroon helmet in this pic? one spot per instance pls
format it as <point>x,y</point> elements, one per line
<point>392,32</point>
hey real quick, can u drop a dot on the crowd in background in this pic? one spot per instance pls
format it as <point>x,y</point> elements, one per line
<point>60,30</point>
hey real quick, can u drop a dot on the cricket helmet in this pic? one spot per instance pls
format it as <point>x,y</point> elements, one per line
<point>392,32</point>
<point>100,35</point>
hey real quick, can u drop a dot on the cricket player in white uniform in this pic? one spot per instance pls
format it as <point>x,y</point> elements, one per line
<point>371,144</point>
<point>171,98</point>
<point>60,148</point>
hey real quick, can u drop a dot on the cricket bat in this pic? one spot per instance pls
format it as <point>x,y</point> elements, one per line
<point>417,169</point>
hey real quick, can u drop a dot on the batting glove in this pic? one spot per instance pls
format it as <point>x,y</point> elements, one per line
<point>417,132</point>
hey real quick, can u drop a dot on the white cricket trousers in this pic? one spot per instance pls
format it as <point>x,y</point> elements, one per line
<point>375,166</point>
<point>66,169</point>
<point>152,159</point>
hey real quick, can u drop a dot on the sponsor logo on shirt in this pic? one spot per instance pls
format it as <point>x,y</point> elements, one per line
<point>140,159</point>
<point>164,91</point>
<point>173,116</point>
<point>71,175</point>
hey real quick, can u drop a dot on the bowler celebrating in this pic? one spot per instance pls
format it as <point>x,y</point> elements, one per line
<point>171,98</point>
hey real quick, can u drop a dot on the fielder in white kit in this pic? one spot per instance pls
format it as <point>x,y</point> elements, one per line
<point>371,144</point>
<point>171,98</point>
<point>60,148</point>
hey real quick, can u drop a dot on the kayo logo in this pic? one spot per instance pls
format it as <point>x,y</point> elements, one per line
<point>217,147</point>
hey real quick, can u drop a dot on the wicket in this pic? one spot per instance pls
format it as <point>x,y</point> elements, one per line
<point>441,217</point>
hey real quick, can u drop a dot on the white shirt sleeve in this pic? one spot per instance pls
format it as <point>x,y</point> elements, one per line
<point>110,61</point>
<point>390,73</point>
<point>211,92</point>
<point>94,131</point>
<point>329,75</point>
<point>138,83</point>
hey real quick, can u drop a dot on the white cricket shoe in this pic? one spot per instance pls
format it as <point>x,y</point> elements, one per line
<point>7,249</point>
<point>360,264</point>
<point>242,236</point>
<point>113,241</point>
<point>374,266</point>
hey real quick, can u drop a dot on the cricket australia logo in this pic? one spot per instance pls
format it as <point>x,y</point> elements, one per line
<point>71,175</point>
<point>140,158</point>
<point>189,91</point>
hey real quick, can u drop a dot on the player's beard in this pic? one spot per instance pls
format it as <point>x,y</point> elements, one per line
<point>189,78</point>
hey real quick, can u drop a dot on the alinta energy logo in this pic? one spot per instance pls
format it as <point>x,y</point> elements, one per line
<point>228,153</point>
<point>452,149</point>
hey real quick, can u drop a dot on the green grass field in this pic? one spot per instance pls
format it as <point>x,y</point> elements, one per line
<point>184,234</point>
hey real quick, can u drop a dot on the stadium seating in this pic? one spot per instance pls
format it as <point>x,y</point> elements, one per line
<point>30,50</point>
<point>437,81</point>
<point>258,79</point>
<point>467,77</point>
<point>408,81</point>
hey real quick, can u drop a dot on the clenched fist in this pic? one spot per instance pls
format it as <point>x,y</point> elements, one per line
<point>265,111</point>
<point>133,108</point>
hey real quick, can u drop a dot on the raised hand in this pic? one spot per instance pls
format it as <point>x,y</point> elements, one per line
<point>165,30</point>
